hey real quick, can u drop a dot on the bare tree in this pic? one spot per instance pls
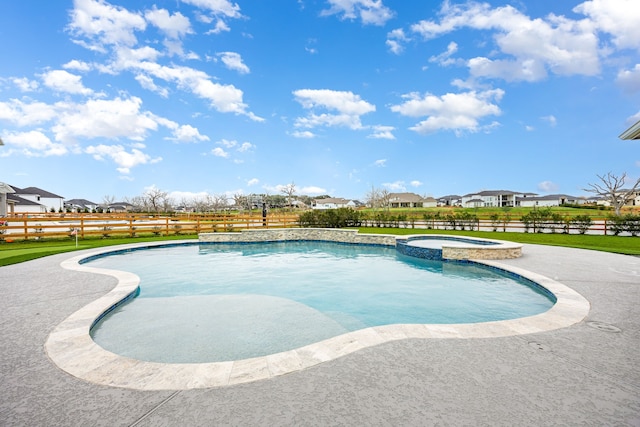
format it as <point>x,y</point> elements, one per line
<point>239,200</point>
<point>611,187</point>
<point>155,199</point>
<point>108,200</point>
<point>373,197</point>
<point>384,198</point>
<point>289,190</point>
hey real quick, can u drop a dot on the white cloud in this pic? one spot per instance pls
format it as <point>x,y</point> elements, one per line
<point>380,163</point>
<point>77,65</point>
<point>220,27</point>
<point>174,26</point>
<point>395,39</point>
<point>618,18</point>
<point>112,27</point>
<point>219,152</point>
<point>445,57</point>
<point>64,81</point>
<point>119,155</point>
<point>348,105</point>
<point>117,118</point>
<point>233,61</point>
<point>395,186</point>
<point>629,80</point>
<point>103,23</point>
<point>33,144</point>
<point>452,111</point>
<point>415,183</point>
<point>246,146</point>
<point>188,133</point>
<point>253,181</point>
<point>368,11</point>
<point>311,190</point>
<point>24,84</point>
<point>550,119</point>
<point>26,114</point>
<point>303,134</point>
<point>382,132</point>
<point>147,83</point>
<point>547,186</point>
<point>217,7</point>
<point>531,46</point>
<point>227,143</point>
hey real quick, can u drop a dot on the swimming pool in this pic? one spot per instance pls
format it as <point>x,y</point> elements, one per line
<point>218,302</point>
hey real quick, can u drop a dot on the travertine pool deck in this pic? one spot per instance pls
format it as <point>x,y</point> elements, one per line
<point>584,374</point>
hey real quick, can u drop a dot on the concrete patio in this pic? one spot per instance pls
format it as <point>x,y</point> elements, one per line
<point>586,374</point>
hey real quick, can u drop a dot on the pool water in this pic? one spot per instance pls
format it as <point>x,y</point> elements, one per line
<point>218,302</point>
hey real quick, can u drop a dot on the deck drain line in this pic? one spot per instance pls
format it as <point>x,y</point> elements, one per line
<point>605,327</point>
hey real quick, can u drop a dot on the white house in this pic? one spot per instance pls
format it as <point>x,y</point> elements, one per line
<point>80,205</point>
<point>450,200</point>
<point>494,198</point>
<point>410,200</point>
<point>333,203</point>
<point>38,196</point>
<point>549,200</point>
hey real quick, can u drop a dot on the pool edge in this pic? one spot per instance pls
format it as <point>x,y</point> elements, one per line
<point>71,348</point>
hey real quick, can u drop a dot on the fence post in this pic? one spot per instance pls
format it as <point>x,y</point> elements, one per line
<point>166,226</point>
<point>605,226</point>
<point>26,230</point>
<point>82,227</point>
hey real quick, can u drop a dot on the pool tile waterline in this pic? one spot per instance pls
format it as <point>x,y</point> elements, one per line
<point>71,348</point>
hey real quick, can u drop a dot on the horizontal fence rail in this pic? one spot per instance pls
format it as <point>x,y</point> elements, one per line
<point>83,225</point>
<point>29,227</point>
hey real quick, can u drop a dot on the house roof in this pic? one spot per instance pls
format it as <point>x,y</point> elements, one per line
<point>20,201</point>
<point>6,188</point>
<point>40,192</point>
<point>498,193</point>
<point>335,200</point>
<point>405,197</point>
<point>80,202</point>
<point>632,133</point>
<point>549,197</point>
<point>450,197</point>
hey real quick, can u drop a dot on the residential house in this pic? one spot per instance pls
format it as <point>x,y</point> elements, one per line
<point>20,205</point>
<point>635,198</point>
<point>80,205</point>
<point>494,198</point>
<point>548,200</point>
<point>450,200</point>
<point>34,199</point>
<point>120,207</point>
<point>410,200</point>
<point>333,203</point>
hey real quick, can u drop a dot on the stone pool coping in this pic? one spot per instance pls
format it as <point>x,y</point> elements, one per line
<point>71,348</point>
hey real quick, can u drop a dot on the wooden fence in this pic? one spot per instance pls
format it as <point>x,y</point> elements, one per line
<point>34,226</point>
<point>41,226</point>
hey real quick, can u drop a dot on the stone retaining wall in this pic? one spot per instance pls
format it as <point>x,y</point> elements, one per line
<point>485,252</point>
<point>283,234</point>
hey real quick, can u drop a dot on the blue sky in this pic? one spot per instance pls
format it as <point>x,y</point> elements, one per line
<point>198,97</point>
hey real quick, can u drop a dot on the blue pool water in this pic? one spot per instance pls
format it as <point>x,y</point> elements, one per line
<point>216,302</point>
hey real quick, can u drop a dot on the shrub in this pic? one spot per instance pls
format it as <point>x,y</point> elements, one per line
<point>582,223</point>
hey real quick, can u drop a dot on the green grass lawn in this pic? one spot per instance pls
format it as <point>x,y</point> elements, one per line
<point>12,253</point>
<point>617,244</point>
<point>15,252</point>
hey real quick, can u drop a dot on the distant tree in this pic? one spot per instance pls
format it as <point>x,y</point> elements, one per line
<point>289,190</point>
<point>385,197</point>
<point>373,198</point>
<point>107,201</point>
<point>611,188</point>
<point>155,199</point>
